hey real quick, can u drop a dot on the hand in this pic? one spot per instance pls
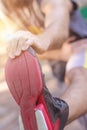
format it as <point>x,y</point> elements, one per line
<point>79,45</point>
<point>21,41</point>
<point>18,43</point>
<point>68,49</point>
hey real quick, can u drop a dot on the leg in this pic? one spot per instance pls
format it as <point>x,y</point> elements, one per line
<point>26,83</point>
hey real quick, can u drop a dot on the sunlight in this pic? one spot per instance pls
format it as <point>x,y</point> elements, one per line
<point>6,28</point>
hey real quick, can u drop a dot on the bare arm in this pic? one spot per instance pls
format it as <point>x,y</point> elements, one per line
<point>76,94</point>
<point>51,55</point>
<point>57,18</point>
<point>68,48</point>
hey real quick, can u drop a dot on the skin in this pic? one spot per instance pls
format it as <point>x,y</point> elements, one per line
<point>48,39</point>
<point>56,32</point>
<point>63,53</point>
<point>66,51</point>
<point>75,95</point>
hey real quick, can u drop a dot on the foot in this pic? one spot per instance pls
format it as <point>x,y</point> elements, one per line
<point>39,110</point>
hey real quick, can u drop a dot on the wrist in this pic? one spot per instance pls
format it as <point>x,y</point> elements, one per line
<point>45,41</point>
<point>39,44</point>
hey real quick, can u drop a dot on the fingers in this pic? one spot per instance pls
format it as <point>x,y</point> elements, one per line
<point>17,46</point>
<point>19,42</point>
<point>71,39</point>
<point>26,44</point>
<point>79,45</point>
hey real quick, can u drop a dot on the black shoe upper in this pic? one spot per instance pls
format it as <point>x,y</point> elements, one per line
<point>57,108</point>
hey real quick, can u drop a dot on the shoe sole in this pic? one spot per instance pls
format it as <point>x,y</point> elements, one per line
<point>24,79</point>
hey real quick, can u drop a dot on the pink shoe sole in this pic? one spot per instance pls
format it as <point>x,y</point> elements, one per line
<point>24,80</point>
<point>39,110</point>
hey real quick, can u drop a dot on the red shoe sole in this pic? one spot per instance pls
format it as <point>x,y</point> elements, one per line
<point>24,79</point>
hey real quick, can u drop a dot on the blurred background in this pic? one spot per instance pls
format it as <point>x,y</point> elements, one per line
<point>8,107</point>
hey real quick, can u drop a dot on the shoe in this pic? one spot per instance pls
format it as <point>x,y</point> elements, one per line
<point>39,110</point>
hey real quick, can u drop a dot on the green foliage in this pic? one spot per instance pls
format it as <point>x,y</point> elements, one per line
<point>84,12</point>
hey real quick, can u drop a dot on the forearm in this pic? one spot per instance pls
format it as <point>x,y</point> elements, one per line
<point>51,55</point>
<point>57,19</point>
<point>75,95</point>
